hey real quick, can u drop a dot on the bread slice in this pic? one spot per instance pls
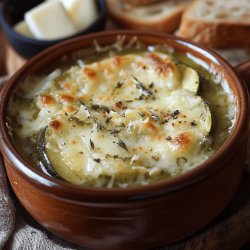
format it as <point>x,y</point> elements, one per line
<point>217,23</point>
<point>163,16</point>
<point>140,2</point>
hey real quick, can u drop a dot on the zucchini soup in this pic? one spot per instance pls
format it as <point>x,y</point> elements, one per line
<point>121,116</point>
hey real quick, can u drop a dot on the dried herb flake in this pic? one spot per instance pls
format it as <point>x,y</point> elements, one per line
<point>175,114</point>
<point>142,114</point>
<point>108,120</point>
<point>122,144</point>
<point>119,84</point>
<point>193,123</point>
<point>139,85</point>
<point>76,120</point>
<point>92,145</point>
<point>103,108</point>
<point>155,117</point>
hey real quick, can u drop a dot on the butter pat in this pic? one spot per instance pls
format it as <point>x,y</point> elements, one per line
<point>23,29</point>
<point>49,20</point>
<point>82,12</point>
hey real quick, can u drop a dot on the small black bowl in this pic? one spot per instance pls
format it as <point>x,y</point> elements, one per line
<point>12,12</point>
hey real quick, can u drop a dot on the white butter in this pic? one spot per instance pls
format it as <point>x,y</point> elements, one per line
<point>23,29</point>
<point>49,20</point>
<point>82,12</point>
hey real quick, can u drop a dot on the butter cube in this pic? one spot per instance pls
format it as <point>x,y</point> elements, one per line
<point>49,20</point>
<point>82,12</point>
<point>23,29</point>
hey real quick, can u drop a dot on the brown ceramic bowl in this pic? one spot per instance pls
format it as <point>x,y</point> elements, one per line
<point>132,218</point>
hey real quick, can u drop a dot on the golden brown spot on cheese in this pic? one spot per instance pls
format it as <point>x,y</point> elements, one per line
<point>85,98</point>
<point>141,65</point>
<point>150,127</point>
<point>89,72</point>
<point>116,61</point>
<point>138,149</point>
<point>161,66</point>
<point>66,97</point>
<point>183,140</point>
<point>67,85</point>
<point>56,125</point>
<point>182,115</point>
<point>47,100</point>
<point>73,142</point>
<point>155,157</point>
<point>161,136</point>
<point>70,109</point>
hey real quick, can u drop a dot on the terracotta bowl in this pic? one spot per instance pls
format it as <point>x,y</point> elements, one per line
<point>132,218</point>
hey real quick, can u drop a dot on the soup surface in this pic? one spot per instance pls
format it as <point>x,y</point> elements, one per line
<point>122,118</point>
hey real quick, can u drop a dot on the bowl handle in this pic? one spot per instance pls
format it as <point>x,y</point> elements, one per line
<point>244,71</point>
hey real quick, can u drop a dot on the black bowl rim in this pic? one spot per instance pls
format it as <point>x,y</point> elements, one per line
<point>9,29</point>
<point>74,193</point>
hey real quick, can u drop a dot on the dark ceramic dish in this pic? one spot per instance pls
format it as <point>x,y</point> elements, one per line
<point>13,11</point>
<point>140,217</point>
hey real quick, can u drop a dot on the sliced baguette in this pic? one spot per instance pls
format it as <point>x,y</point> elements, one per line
<point>140,2</point>
<point>217,23</point>
<point>163,16</point>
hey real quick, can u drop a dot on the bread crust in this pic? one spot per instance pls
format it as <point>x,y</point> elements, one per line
<point>140,2</point>
<point>166,24</point>
<point>214,33</point>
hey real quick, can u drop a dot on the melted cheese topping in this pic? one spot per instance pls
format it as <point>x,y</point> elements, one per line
<point>124,120</point>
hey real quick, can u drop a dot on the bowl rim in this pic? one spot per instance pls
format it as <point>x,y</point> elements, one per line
<point>6,26</point>
<point>68,191</point>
